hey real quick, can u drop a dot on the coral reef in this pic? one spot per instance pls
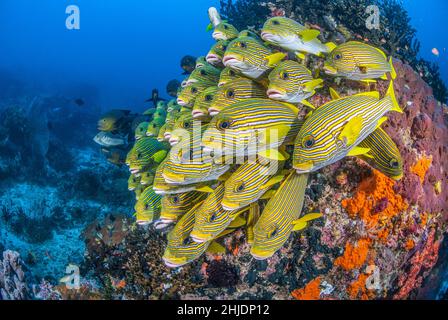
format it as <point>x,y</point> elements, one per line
<point>13,284</point>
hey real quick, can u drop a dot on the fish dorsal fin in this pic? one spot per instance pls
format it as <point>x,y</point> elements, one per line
<point>205,189</point>
<point>390,94</point>
<point>358,151</point>
<point>309,34</point>
<point>351,130</point>
<point>273,154</point>
<point>274,180</point>
<point>334,94</point>
<point>308,104</point>
<point>369,81</point>
<point>373,94</point>
<point>393,73</point>
<point>275,58</point>
<point>310,86</point>
<point>216,248</point>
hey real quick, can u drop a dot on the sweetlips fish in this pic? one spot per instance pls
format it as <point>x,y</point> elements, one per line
<point>281,216</point>
<point>249,33</point>
<point>383,154</point>
<point>201,62</point>
<point>214,56</point>
<point>189,93</point>
<point>250,57</point>
<point>172,106</point>
<point>148,207</point>
<point>359,61</point>
<point>203,102</point>
<point>108,139</point>
<point>139,190</point>
<point>181,249</point>
<point>228,75</point>
<point>147,177</point>
<point>294,37</point>
<point>146,152</point>
<point>133,182</point>
<point>188,63</point>
<point>211,219</point>
<point>335,130</point>
<point>154,127</point>
<point>173,87</point>
<point>225,31</point>
<point>175,206</point>
<point>141,129</point>
<point>235,91</point>
<point>182,127</point>
<point>250,182</point>
<point>161,135</point>
<point>292,82</point>
<point>252,126</point>
<point>206,75</point>
<point>112,120</point>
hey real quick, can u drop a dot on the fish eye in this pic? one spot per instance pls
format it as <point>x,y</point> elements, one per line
<point>187,124</point>
<point>232,73</point>
<point>139,155</point>
<point>226,26</point>
<point>242,45</point>
<point>224,48</point>
<point>275,22</point>
<point>337,56</point>
<point>203,73</point>
<point>230,93</point>
<point>186,241</point>
<point>308,141</point>
<point>208,98</point>
<point>194,90</point>
<point>212,217</point>
<point>273,233</point>
<point>175,199</point>
<point>284,75</point>
<point>394,163</point>
<point>240,187</point>
<point>146,206</point>
<point>223,125</point>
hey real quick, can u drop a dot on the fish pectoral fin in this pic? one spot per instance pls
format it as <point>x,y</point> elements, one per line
<point>359,151</point>
<point>209,27</point>
<point>302,223</point>
<point>313,84</point>
<point>351,130</point>
<point>334,94</point>
<point>373,94</point>
<point>308,104</point>
<point>299,225</point>
<point>237,223</point>
<point>274,180</point>
<point>205,189</point>
<point>216,248</point>
<point>381,121</point>
<point>308,34</point>
<point>311,216</point>
<point>160,155</point>
<point>275,58</point>
<point>273,154</point>
<point>268,194</point>
<point>300,55</point>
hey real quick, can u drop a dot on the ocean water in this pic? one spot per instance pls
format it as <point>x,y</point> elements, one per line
<point>55,83</point>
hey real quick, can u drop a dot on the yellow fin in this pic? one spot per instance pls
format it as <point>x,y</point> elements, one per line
<point>313,84</point>
<point>390,94</point>
<point>275,58</point>
<point>334,94</point>
<point>159,156</point>
<point>330,69</point>
<point>373,94</point>
<point>309,34</point>
<point>209,27</point>
<point>272,154</point>
<point>357,151</point>
<point>272,181</point>
<point>216,248</point>
<point>268,194</point>
<point>384,77</point>
<point>308,104</point>
<point>300,55</point>
<point>225,176</point>
<point>331,46</point>
<point>351,130</point>
<point>300,225</point>
<point>311,216</point>
<point>369,81</point>
<point>381,121</point>
<point>237,222</point>
<point>393,73</point>
<point>206,189</point>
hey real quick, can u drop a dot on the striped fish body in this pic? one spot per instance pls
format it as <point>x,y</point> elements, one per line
<point>228,75</point>
<point>384,154</point>
<point>153,128</point>
<point>248,57</point>
<point>172,106</point>
<point>203,102</point>
<point>211,219</point>
<point>247,184</point>
<point>181,249</point>
<point>161,135</point>
<point>357,61</point>
<point>275,225</point>
<point>216,53</point>
<point>249,33</point>
<point>289,82</point>
<point>140,131</point>
<point>133,182</point>
<point>235,91</point>
<point>176,205</point>
<point>147,177</point>
<point>189,93</point>
<point>224,31</point>
<point>146,152</point>
<point>335,129</point>
<point>286,33</point>
<point>148,206</point>
<point>251,125</point>
<point>206,75</point>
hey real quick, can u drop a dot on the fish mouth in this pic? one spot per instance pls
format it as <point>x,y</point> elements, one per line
<point>181,102</point>
<point>191,81</point>
<point>303,167</point>
<point>330,70</point>
<point>197,113</point>
<point>274,94</point>
<point>134,171</point>
<point>149,134</point>
<point>167,135</point>
<point>171,180</point>
<point>131,189</point>
<point>229,60</point>
<point>173,140</point>
<point>229,206</point>
<point>212,58</point>
<point>197,239</point>
<point>218,35</point>
<point>266,35</point>
<point>213,111</point>
<point>143,222</point>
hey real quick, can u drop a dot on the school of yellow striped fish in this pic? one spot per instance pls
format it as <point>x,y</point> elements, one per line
<point>236,148</point>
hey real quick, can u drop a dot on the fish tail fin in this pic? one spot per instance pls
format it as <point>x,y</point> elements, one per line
<point>390,96</point>
<point>393,73</point>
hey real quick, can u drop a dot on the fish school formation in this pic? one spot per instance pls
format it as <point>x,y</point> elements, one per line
<point>236,147</point>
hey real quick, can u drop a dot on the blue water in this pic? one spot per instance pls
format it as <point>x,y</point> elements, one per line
<point>125,48</point>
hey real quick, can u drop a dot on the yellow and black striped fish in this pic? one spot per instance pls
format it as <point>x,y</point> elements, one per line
<point>203,102</point>
<point>292,82</point>
<point>208,74</point>
<point>235,91</point>
<point>172,106</point>
<point>335,129</point>
<point>174,206</point>
<point>294,37</point>
<point>145,153</point>
<point>189,93</point>
<point>252,125</point>
<point>383,155</point>
<point>280,217</point>
<point>216,53</point>
<point>140,131</point>
<point>249,33</point>
<point>133,182</point>
<point>250,182</point>
<point>211,218</point>
<point>228,75</point>
<point>359,61</point>
<point>153,127</point>
<point>147,177</point>
<point>148,207</point>
<point>224,31</point>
